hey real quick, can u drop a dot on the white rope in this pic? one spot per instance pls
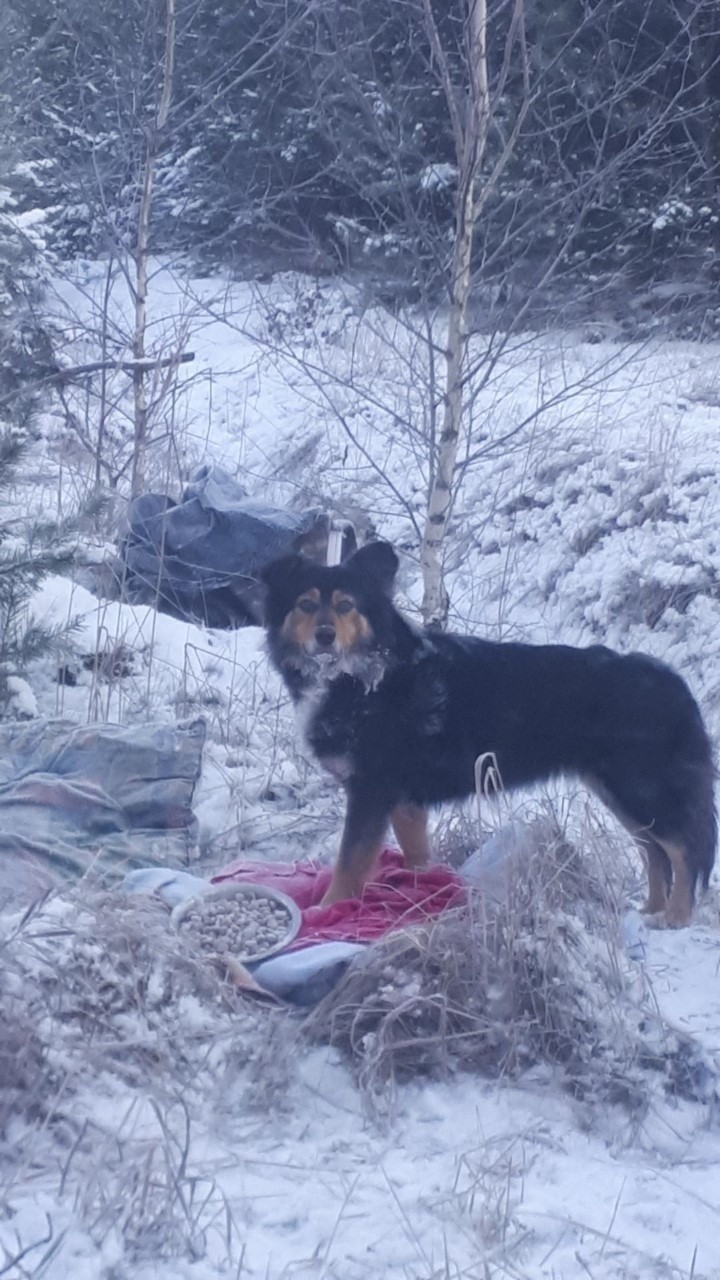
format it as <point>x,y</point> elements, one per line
<point>334,547</point>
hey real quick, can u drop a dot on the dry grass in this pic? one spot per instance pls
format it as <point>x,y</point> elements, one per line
<point>540,979</point>
<point>107,976</point>
<point>116,1033</point>
<point>27,1080</point>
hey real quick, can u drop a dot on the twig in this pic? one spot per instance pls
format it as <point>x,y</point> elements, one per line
<point>73,372</point>
<point>127,366</point>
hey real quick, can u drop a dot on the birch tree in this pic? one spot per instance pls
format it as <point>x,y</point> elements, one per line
<point>470,107</point>
<point>141,252</point>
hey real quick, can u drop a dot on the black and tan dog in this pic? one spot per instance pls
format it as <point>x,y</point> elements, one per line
<point>400,717</point>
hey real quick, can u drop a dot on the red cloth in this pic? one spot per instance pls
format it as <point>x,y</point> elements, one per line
<point>395,897</point>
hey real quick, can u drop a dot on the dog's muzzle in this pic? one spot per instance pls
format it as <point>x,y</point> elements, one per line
<point>325,638</point>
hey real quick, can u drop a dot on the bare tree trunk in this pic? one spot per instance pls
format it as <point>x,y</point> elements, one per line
<point>435,601</point>
<point>142,256</point>
<point>102,420</point>
<point>702,24</point>
<point>141,284</point>
<point>470,131</point>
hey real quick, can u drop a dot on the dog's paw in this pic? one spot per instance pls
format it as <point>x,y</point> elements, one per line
<point>654,906</point>
<point>665,920</point>
<point>341,891</point>
<point>654,919</point>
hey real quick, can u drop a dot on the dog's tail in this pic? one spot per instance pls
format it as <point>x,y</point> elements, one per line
<point>706,830</point>
<point>701,828</point>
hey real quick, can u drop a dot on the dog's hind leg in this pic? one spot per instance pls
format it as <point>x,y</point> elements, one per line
<point>409,823</point>
<point>671,882</point>
<point>659,873</point>
<point>678,911</point>
<point>366,821</point>
<point>672,861</point>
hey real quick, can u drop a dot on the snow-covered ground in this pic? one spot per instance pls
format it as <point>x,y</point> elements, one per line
<point>589,511</point>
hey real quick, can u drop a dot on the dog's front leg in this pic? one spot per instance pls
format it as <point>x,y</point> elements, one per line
<point>410,826</point>
<point>366,821</point>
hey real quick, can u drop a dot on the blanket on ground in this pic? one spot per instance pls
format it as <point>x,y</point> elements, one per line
<point>98,798</point>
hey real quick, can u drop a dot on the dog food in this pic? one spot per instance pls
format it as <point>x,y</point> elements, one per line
<point>242,925</point>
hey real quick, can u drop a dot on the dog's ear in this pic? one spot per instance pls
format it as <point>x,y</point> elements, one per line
<point>377,563</point>
<point>278,575</point>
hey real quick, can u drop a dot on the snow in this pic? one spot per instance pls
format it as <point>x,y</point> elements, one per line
<point>589,510</point>
<point>670,213</point>
<point>435,177</point>
<point>21,699</point>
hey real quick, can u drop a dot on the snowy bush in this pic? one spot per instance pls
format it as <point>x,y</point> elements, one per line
<point>500,989</point>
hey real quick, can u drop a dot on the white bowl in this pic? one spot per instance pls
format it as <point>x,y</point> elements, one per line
<point>245,890</point>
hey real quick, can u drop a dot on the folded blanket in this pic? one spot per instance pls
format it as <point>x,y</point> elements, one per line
<point>97,798</point>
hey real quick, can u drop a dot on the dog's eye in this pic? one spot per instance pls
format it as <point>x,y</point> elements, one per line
<point>307,606</point>
<point>344,606</point>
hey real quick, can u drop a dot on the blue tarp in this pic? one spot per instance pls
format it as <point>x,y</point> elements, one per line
<point>199,559</point>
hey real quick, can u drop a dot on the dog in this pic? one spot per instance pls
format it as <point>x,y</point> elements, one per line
<point>400,717</point>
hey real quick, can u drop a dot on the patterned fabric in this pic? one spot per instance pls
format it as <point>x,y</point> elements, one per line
<point>94,799</point>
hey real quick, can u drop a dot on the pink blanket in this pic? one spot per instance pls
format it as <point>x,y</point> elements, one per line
<point>395,897</point>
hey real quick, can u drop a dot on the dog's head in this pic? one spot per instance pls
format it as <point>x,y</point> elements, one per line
<point>340,612</point>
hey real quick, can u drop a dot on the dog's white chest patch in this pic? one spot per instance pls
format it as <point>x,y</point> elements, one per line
<point>369,669</point>
<point>307,707</point>
<point>338,766</point>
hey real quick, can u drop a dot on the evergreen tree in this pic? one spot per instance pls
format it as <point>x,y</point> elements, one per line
<point>300,126</point>
<point>30,549</point>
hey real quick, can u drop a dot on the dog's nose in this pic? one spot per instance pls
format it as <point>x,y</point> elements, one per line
<point>325,636</point>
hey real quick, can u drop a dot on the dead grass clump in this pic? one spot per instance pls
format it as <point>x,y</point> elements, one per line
<point>109,986</point>
<point>539,979</point>
<point>118,1035</point>
<point>27,1080</point>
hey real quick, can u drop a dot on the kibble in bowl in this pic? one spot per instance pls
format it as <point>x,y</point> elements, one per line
<point>245,921</point>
